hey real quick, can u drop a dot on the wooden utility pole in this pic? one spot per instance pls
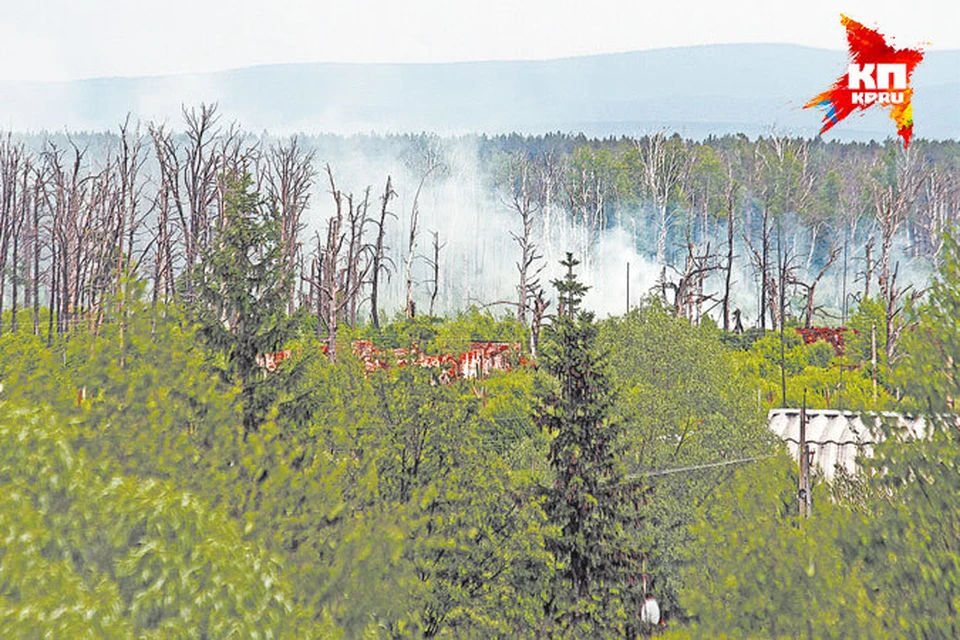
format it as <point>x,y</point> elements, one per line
<point>843,313</point>
<point>873,358</point>
<point>804,486</point>
<point>783,369</point>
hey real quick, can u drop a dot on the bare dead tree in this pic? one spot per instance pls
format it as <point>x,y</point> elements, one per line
<point>236,154</point>
<point>316,282</point>
<point>869,265</point>
<point>330,284</point>
<point>51,158</point>
<point>539,311</point>
<point>687,285</point>
<point>311,296</point>
<point>168,202</point>
<point>664,161</point>
<point>356,249</point>
<point>729,196</point>
<point>938,209</point>
<point>526,199</point>
<point>380,262</point>
<point>810,288</point>
<point>11,162</point>
<point>36,232</point>
<point>20,219</point>
<point>131,217</point>
<point>434,264</point>
<point>131,158</point>
<point>106,229</point>
<point>849,203</point>
<point>895,186</point>
<point>110,206</point>
<point>429,160</point>
<point>409,308</point>
<point>768,287</point>
<point>549,176</point>
<point>759,259</point>
<point>894,190</point>
<point>115,198</point>
<point>334,287</point>
<point>783,183</point>
<point>201,170</point>
<point>193,170</point>
<point>587,186</point>
<point>71,225</point>
<point>894,306</point>
<point>289,181</point>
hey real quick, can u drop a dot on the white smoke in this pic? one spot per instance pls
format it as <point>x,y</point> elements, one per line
<point>478,258</point>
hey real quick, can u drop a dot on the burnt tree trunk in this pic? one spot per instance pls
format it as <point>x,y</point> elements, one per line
<point>434,263</point>
<point>526,200</point>
<point>379,260</point>
<point>728,269</point>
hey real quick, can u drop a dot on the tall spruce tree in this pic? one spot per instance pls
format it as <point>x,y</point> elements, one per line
<point>241,294</point>
<point>595,508</point>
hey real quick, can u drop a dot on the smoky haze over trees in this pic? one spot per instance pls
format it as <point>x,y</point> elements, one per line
<point>194,442</point>
<point>766,229</point>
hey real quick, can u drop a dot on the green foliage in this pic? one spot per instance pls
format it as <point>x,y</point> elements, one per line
<point>683,403</point>
<point>868,314</point>
<point>678,387</point>
<point>31,372</point>
<point>381,497</point>
<point>241,294</point>
<point>387,504</point>
<point>97,554</point>
<point>456,334</point>
<point>707,180</point>
<point>756,570</point>
<point>912,484</point>
<point>388,510</point>
<point>152,406</point>
<point>817,369</point>
<point>140,392</point>
<point>403,333</point>
<point>592,503</point>
<point>506,410</point>
<point>170,487</point>
<point>447,335</point>
<point>598,177</point>
<point>912,520</point>
<point>881,555</point>
<point>930,370</point>
<point>475,535</point>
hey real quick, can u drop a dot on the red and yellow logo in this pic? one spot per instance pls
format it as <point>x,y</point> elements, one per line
<point>878,74</point>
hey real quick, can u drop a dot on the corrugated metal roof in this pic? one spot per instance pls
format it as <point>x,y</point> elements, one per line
<point>834,437</point>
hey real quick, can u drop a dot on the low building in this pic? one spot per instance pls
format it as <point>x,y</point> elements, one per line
<point>835,438</point>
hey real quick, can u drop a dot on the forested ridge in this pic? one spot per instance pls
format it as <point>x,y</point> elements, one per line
<point>160,481</point>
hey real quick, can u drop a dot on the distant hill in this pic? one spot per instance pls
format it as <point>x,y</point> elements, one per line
<point>694,90</point>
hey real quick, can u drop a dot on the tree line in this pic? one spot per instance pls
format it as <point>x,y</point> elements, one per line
<point>768,229</point>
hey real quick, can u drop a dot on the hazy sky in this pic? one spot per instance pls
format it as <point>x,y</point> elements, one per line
<point>68,39</point>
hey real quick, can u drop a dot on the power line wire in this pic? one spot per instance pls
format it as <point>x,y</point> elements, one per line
<point>709,465</point>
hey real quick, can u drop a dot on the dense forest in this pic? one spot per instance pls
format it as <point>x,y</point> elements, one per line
<point>762,230</point>
<point>161,479</point>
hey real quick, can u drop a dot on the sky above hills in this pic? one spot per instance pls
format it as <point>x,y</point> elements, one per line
<point>45,40</point>
<point>695,91</point>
